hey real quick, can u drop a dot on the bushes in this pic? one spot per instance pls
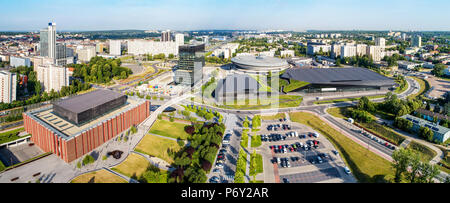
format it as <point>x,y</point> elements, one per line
<point>88,159</point>
<point>403,124</point>
<point>361,115</point>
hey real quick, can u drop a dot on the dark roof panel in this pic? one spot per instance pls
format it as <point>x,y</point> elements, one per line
<point>81,103</point>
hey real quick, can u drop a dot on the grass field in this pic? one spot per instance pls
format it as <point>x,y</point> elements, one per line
<point>256,164</point>
<point>274,117</point>
<point>426,154</point>
<point>102,176</point>
<point>133,166</point>
<point>339,112</point>
<point>256,141</point>
<point>365,165</point>
<point>158,147</point>
<point>244,140</point>
<point>169,129</point>
<point>10,135</point>
<point>241,167</point>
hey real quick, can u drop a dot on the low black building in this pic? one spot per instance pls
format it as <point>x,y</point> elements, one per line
<point>338,79</point>
<point>82,108</point>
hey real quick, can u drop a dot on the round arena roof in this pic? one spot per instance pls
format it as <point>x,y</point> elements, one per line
<point>259,63</point>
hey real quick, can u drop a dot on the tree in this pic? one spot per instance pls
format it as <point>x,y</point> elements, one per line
<point>401,160</point>
<point>415,167</point>
<point>428,173</point>
<point>438,70</point>
<point>426,133</point>
<point>246,123</point>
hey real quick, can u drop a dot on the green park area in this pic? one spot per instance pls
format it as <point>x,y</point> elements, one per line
<point>278,101</point>
<point>333,101</point>
<point>102,176</point>
<point>158,147</point>
<point>10,136</point>
<point>364,164</point>
<point>169,129</point>
<point>426,154</point>
<point>134,166</point>
<point>273,117</point>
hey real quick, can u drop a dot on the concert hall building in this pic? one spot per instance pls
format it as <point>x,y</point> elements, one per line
<point>73,127</point>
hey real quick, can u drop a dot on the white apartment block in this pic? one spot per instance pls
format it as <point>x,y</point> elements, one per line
<point>361,49</point>
<point>374,52</point>
<point>8,86</point>
<point>140,47</point>
<point>348,51</point>
<point>52,77</point>
<point>381,42</point>
<point>335,50</point>
<point>115,47</point>
<point>179,39</point>
<point>85,53</point>
<point>287,53</point>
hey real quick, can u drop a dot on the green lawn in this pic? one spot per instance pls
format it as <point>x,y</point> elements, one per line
<point>241,167</point>
<point>294,84</point>
<point>274,117</point>
<point>10,135</point>
<point>426,154</point>
<point>158,147</point>
<point>169,129</point>
<point>402,88</point>
<point>101,176</point>
<point>256,164</point>
<point>134,166</point>
<point>364,164</point>
<point>256,141</point>
<point>339,112</point>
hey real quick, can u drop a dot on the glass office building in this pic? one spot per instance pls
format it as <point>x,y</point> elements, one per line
<point>190,65</point>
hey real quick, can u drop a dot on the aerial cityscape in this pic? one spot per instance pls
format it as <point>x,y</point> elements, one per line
<point>224,92</point>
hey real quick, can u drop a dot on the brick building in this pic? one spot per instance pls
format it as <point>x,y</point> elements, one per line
<point>70,140</point>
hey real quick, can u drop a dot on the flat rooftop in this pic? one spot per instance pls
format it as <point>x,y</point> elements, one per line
<point>84,102</point>
<point>66,129</point>
<point>259,61</point>
<point>344,76</point>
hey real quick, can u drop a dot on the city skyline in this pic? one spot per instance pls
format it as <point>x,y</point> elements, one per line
<point>290,15</point>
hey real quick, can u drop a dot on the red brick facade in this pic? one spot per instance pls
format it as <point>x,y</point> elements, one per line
<point>78,146</point>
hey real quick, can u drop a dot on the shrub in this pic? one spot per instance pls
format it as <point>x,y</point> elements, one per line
<point>189,129</point>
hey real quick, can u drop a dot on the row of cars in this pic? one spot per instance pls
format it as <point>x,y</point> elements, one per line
<point>279,137</point>
<point>276,127</point>
<point>295,147</point>
<point>379,140</point>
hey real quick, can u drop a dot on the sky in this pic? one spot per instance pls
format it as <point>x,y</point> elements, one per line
<point>293,15</point>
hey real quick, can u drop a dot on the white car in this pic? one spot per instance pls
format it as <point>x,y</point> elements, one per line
<point>219,165</point>
<point>316,135</point>
<point>347,171</point>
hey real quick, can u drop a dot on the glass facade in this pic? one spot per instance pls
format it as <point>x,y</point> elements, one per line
<point>190,64</point>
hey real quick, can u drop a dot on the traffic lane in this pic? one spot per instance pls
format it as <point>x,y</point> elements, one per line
<point>312,177</point>
<point>361,137</point>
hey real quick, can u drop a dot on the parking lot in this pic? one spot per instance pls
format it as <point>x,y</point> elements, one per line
<point>294,153</point>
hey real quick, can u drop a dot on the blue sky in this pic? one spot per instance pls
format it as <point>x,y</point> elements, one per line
<point>295,15</point>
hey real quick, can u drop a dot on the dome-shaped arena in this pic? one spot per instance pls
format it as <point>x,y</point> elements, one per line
<point>259,63</point>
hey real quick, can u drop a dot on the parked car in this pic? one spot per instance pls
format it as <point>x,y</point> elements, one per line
<point>220,165</point>
<point>347,171</point>
<point>335,152</point>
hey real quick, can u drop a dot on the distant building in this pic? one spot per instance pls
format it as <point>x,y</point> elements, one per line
<point>416,41</point>
<point>15,61</point>
<point>314,47</point>
<point>335,50</point>
<point>141,47</point>
<point>99,47</point>
<point>407,65</point>
<point>381,42</point>
<point>236,87</point>
<point>115,48</point>
<point>361,49</point>
<point>441,134</point>
<point>85,53</point>
<point>8,86</point>
<point>179,39</point>
<point>374,52</point>
<point>287,53</point>
<point>52,77</point>
<point>48,41</point>
<point>190,64</point>
<point>166,36</point>
<point>348,51</point>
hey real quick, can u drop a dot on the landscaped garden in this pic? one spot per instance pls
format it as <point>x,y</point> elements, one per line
<point>101,176</point>
<point>158,147</point>
<point>134,166</point>
<point>169,129</point>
